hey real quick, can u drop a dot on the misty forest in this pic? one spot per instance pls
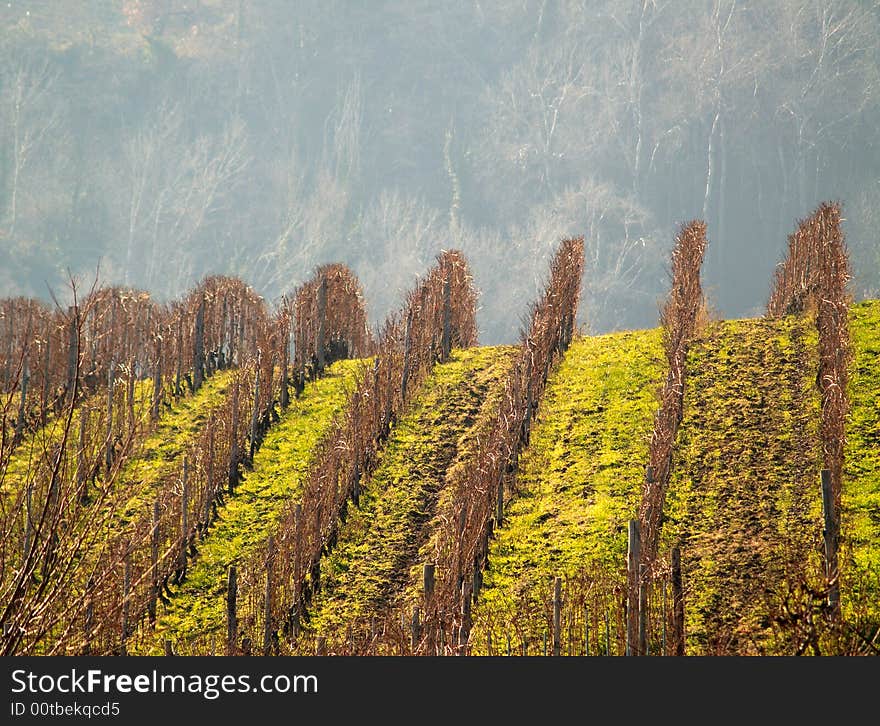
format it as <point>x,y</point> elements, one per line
<point>151,142</point>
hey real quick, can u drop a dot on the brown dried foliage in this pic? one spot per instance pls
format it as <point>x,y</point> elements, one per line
<point>438,314</point>
<point>78,574</point>
<point>814,277</point>
<point>679,318</point>
<point>464,539</point>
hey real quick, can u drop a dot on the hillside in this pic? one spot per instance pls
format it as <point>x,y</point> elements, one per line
<point>744,503</point>
<point>194,613</point>
<point>386,537</point>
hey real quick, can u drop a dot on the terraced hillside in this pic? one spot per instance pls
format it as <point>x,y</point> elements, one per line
<point>744,501</point>
<point>195,611</point>
<point>385,538</point>
<point>577,487</point>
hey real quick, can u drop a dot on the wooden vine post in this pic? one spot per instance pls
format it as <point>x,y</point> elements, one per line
<point>677,604</point>
<point>322,325</point>
<point>632,570</point>
<point>267,600</point>
<point>831,536</point>
<point>233,443</point>
<point>154,563</point>
<point>557,616</point>
<point>231,618</point>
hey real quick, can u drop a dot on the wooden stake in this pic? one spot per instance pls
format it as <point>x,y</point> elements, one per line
<point>586,631</point>
<point>428,584</point>
<point>677,604</point>
<point>446,343</point>
<point>108,453</point>
<point>72,352</point>
<point>154,562</point>
<point>663,636</point>
<point>47,360</point>
<point>607,634</point>
<point>831,536</point>
<point>643,610</point>
<point>199,347</point>
<point>130,394</point>
<point>407,350</point>
<point>126,593</point>
<point>465,610</point>
<point>157,383</point>
<point>82,484</point>
<point>233,448</point>
<point>285,367</point>
<point>267,600</point>
<point>231,619</point>
<point>632,569</point>
<point>177,390</point>
<point>211,485</point>
<point>415,630</point>
<point>255,413</point>
<point>28,522</point>
<point>297,548</point>
<point>322,324</point>
<point>184,519</point>
<point>557,616</point>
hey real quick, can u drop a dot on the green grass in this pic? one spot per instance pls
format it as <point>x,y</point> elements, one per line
<point>160,454</point>
<point>26,457</point>
<point>860,498</point>
<point>280,466</point>
<point>380,542</point>
<point>578,485</point>
<point>744,498</point>
<point>744,501</point>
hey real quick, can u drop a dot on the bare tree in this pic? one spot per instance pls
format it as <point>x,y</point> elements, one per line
<point>397,235</point>
<point>174,190</point>
<point>620,247</point>
<point>28,117</point>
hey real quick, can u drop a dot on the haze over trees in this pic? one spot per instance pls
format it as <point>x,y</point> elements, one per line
<point>170,139</point>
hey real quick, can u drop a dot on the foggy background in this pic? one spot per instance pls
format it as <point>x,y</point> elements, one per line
<point>171,139</point>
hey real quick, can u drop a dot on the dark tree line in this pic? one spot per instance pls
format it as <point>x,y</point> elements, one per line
<point>170,139</point>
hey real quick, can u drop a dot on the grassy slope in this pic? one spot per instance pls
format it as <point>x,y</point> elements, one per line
<point>579,481</point>
<point>745,493</point>
<point>160,452</point>
<point>380,541</point>
<point>157,448</point>
<point>860,561</point>
<point>280,466</point>
<point>33,447</point>
<point>744,497</point>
